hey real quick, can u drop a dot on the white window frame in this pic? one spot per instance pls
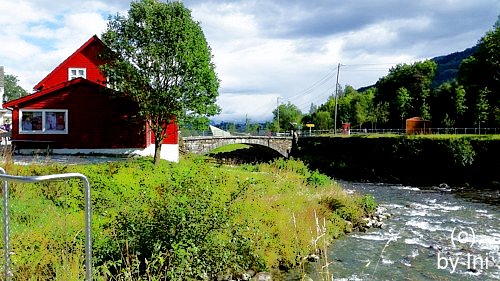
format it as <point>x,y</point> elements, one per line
<point>44,129</point>
<point>77,70</point>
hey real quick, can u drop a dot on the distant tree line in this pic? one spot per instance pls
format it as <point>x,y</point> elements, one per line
<point>472,99</point>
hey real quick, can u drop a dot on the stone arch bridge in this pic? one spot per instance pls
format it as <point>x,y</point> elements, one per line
<point>201,145</point>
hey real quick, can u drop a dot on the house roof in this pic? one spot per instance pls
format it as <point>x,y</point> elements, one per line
<point>40,94</point>
<point>92,40</point>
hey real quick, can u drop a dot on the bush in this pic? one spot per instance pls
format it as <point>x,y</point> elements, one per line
<point>291,165</point>
<point>462,152</point>
<point>346,208</point>
<point>419,160</point>
<point>318,179</point>
<point>368,203</point>
<point>183,221</point>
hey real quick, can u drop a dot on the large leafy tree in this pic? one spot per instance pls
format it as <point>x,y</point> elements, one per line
<point>481,107</point>
<point>12,88</point>
<point>289,116</point>
<point>482,71</point>
<point>364,107</point>
<point>416,79</point>
<point>345,109</point>
<point>160,58</point>
<point>449,105</point>
<point>322,120</point>
<point>403,102</point>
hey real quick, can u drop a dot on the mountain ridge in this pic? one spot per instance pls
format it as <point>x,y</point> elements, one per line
<point>447,67</point>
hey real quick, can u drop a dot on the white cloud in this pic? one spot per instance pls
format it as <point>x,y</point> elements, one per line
<point>15,13</point>
<point>262,48</point>
<point>236,107</point>
<point>38,35</point>
<point>225,22</point>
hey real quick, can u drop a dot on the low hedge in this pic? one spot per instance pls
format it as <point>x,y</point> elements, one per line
<point>417,160</point>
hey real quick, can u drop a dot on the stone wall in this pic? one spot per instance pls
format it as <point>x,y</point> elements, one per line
<point>201,145</point>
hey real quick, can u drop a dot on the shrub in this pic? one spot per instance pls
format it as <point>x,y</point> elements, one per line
<point>291,165</point>
<point>462,152</point>
<point>421,159</point>
<point>318,179</point>
<point>368,203</point>
<point>183,221</point>
<point>346,208</point>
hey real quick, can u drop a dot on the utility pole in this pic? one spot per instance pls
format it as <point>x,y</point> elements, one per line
<point>336,99</point>
<point>247,124</point>
<point>278,109</point>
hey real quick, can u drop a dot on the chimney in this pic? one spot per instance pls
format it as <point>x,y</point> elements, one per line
<point>2,85</point>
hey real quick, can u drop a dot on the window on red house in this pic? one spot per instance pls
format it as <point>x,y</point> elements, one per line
<point>76,72</point>
<point>49,121</point>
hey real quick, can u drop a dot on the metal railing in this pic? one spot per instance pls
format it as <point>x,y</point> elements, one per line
<point>34,179</point>
<point>351,132</point>
<point>194,133</point>
<point>436,131</point>
<point>262,133</point>
<point>306,132</point>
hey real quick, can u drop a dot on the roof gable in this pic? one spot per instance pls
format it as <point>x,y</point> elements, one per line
<point>46,92</point>
<point>90,48</point>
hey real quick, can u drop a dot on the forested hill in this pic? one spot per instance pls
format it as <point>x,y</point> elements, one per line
<point>423,89</point>
<point>448,65</point>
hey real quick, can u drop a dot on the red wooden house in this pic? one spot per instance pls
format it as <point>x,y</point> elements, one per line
<point>73,112</point>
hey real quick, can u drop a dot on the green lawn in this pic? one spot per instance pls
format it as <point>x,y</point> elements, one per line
<point>436,136</point>
<point>229,148</point>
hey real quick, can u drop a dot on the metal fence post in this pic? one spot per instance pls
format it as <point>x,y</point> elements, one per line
<point>6,219</point>
<point>33,179</point>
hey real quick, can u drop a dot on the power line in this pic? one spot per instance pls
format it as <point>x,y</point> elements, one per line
<point>317,99</point>
<point>364,64</point>
<point>367,69</point>
<point>321,93</point>
<point>317,84</point>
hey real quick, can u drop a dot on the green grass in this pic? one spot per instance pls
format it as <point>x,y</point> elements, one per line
<point>433,136</point>
<point>175,221</point>
<point>387,135</point>
<point>229,148</point>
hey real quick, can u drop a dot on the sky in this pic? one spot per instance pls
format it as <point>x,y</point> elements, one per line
<point>265,51</point>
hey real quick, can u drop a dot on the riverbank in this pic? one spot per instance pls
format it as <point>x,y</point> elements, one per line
<point>178,221</point>
<point>415,160</point>
<point>434,234</point>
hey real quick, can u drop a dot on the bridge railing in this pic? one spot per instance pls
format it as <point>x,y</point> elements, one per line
<point>192,133</point>
<point>306,133</point>
<point>351,132</point>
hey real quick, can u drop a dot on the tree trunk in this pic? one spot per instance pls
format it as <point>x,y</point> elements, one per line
<point>159,131</point>
<point>158,142</point>
<point>157,153</point>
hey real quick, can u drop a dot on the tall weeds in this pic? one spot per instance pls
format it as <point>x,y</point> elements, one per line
<point>176,221</point>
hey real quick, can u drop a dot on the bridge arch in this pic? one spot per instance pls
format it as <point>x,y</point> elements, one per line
<point>202,145</point>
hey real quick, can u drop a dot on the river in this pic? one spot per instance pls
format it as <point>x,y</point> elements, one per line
<point>433,234</point>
